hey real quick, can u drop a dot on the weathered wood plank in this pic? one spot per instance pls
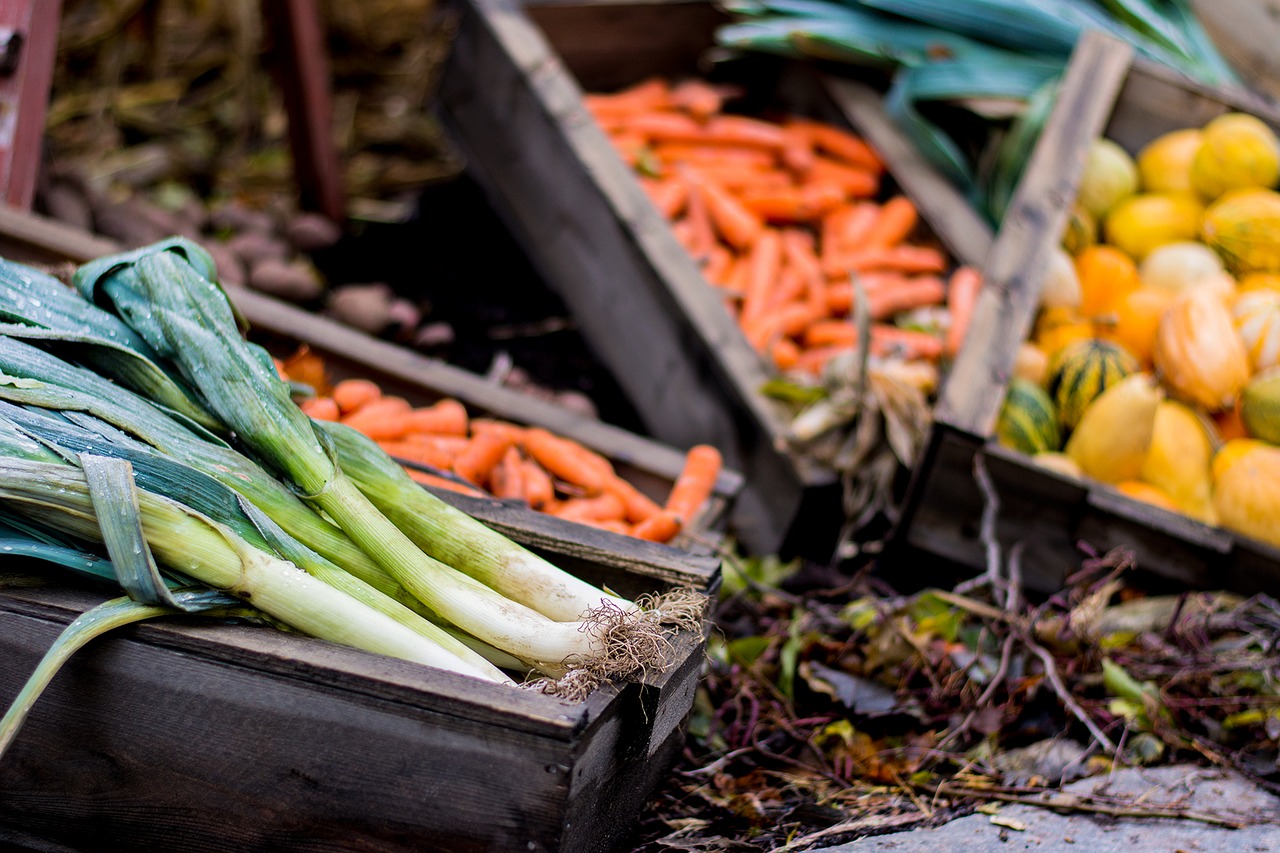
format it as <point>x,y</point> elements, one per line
<point>974,388</point>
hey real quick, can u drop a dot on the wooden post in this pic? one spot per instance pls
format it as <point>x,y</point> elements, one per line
<point>28,47</point>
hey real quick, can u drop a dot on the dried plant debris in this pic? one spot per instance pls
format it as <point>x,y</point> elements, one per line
<point>835,708</point>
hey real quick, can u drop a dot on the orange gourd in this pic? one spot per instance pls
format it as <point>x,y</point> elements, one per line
<point>1106,274</point>
<point>1199,353</point>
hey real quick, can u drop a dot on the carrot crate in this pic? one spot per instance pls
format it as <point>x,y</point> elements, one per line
<point>258,739</point>
<point>518,94</point>
<point>1107,94</point>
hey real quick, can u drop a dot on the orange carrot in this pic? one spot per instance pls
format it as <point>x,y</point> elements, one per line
<point>765,260</point>
<point>798,250</point>
<point>787,289</point>
<point>785,353</point>
<point>668,195</point>
<point>513,432</point>
<point>480,457</point>
<point>903,258</point>
<point>601,507</point>
<point>736,225</point>
<point>699,99</point>
<point>445,417</point>
<point>381,418</point>
<point>662,527</point>
<point>717,264</point>
<point>450,445</point>
<point>962,296</point>
<point>538,488</point>
<point>567,460</point>
<point>843,335</point>
<point>898,217</point>
<point>695,483</point>
<point>659,126</point>
<point>712,156</point>
<point>794,204</point>
<point>423,454</point>
<point>649,94</point>
<point>915,292</point>
<point>436,482</point>
<point>636,505</point>
<point>506,480</point>
<point>613,525</point>
<point>701,236</point>
<point>740,130</point>
<point>320,408</point>
<point>855,181</point>
<point>797,153</point>
<point>840,144</point>
<point>351,394</point>
<point>857,228</point>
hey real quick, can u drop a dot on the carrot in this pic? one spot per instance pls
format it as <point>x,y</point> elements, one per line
<point>613,525</point>
<point>480,457</point>
<point>667,194</point>
<point>445,417</point>
<point>857,228</point>
<point>840,144</point>
<point>740,130</point>
<point>855,181</point>
<point>794,204</point>
<point>715,155</point>
<point>898,216</point>
<point>962,296</point>
<point>512,432</point>
<point>601,507</point>
<point>649,94</point>
<point>436,482</point>
<point>351,394</point>
<point>381,418</point>
<point>659,126</point>
<point>423,454</point>
<point>798,250</point>
<point>662,527</point>
<point>915,292</point>
<point>717,264</point>
<point>538,488</point>
<point>450,445</point>
<point>764,262</point>
<point>320,408</point>
<point>790,319</point>
<point>903,258</point>
<point>737,179</point>
<point>697,98</point>
<point>695,483</point>
<point>843,335</point>
<point>636,505</point>
<point>797,153</point>
<point>788,287</point>
<point>701,236</point>
<point>736,225</point>
<point>785,353</point>
<point>506,480</point>
<point>567,460</point>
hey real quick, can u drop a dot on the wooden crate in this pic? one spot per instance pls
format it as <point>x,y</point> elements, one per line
<point>1105,92</point>
<point>650,465</point>
<point>188,735</point>
<point>511,95</point>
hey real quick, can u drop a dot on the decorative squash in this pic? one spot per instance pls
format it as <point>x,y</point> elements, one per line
<point>1111,441</point>
<point>1059,463</point>
<point>1136,318</point>
<point>1178,266</point>
<point>1246,493</point>
<point>1237,151</point>
<point>1057,327</point>
<point>1105,274</point>
<point>1061,286</point>
<point>1256,315</point>
<point>1028,421</point>
<point>1179,459</point>
<point>1110,175</point>
<point>1231,452</point>
<point>1144,221</point>
<point>1080,371</point>
<point>1147,493</point>
<point>1164,163</point>
<point>1260,406</point>
<point>1202,358</point>
<point>1030,363</point>
<point>1244,228</point>
<point>1081,231</point>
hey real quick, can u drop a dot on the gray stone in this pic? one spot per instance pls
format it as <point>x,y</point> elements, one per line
<point>1020,827</point>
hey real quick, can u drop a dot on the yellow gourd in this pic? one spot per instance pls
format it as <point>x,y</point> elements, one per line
<point>1246,492</point>
<point>1237,151</point>
<point>1164,164</point>
<point>1112,439</point>
<point>1147,493</point>
<point>1198,352</point>
<point>1141,222</point>
<point>1178,462</point>
<point>1244,228</point>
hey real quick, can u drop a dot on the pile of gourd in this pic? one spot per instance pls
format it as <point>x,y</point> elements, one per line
<point>1154,363</point>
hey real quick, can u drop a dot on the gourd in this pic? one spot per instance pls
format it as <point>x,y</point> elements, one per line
<point>1260,406</point>
<point>1202,358</point>
<point>1112,439</point>
<point>1178,462</point>
<point>1246,492</point>
<point>1256,315</point>
<point>1028,421</point>
<point>1082,370</point>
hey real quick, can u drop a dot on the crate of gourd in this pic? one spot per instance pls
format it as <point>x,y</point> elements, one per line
<point>704,221</point>
<point>1133,397</point>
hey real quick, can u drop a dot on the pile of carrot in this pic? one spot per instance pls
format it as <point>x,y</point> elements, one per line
<point>779,215</point>
<point>548,472</point>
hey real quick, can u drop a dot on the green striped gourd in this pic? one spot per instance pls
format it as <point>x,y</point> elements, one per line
<point>1082,370</point>
<point>1028,419</point>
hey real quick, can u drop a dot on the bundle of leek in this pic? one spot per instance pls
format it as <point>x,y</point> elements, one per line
<point>168,388</point>
<point>999,59</point>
